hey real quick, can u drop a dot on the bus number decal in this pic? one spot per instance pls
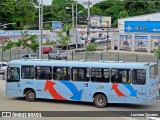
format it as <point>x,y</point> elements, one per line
<point>85,84</point>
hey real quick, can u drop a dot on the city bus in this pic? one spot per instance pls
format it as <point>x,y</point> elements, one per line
<point>100,82</point>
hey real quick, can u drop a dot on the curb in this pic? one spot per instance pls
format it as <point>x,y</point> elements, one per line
<point>83,50</point>
<point>133,53</point>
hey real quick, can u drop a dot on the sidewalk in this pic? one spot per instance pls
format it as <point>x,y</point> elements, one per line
<point>130,52</point>
<point>103,49</point>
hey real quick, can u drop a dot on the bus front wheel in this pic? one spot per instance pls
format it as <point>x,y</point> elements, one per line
<point>100,100</point>
<point>30,96</point>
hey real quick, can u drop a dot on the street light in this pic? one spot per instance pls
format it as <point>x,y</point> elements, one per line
<point>73,26</point>
<point>88,19</point>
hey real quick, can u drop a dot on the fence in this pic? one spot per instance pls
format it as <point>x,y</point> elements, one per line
<point>112,57</point>
<point>18,53</point>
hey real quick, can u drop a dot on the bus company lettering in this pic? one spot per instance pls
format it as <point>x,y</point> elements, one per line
<point>29,82</point>
<point>100,87</point>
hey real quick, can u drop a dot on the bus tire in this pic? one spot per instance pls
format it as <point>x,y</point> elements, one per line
<point>30,96</point>
<point>100,100</point>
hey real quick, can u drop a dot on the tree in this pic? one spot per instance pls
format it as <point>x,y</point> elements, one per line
<point>64,40</point>
<point>141,7</point>
<point>122,14</point>
<point>17,10</point>
<point>91,48</point>
<point>157,52</point>
<point>9,45</point>
<point>54,43</point>
<point>18,45</point>
<point>29,41</point>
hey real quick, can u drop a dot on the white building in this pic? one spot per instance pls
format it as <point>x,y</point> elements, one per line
<point>138,33</point>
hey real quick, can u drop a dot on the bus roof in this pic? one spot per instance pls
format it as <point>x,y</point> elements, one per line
<point>81,63</point>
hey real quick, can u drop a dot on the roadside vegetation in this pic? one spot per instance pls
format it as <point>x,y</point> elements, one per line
<point>91,48</point>
<point>27,13</point>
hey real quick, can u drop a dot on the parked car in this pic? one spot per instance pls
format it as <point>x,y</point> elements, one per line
<point>57,54</point>
<point>104,40</point>
<point>47,49</point>
<point>99,40</point>
<point>3,67</point>
<point>30,56</point>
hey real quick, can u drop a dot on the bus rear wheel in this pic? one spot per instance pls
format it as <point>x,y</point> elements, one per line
<point>30,96</point>
<point>100,100</point>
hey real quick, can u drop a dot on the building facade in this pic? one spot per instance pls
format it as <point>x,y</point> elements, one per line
<point>139,33</point>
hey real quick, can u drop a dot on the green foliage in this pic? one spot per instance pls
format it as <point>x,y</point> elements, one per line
<point>26,12</point>
<point>91,48</point>
<point>17,10</point>
<point>64,40</point>
<point>9,45</point>
<point>54,43</point>
<point>47,26</point>
<point>157,52</point>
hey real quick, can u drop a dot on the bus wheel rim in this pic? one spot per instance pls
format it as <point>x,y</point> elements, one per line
<point>31,95</point>
<point>100,101</point>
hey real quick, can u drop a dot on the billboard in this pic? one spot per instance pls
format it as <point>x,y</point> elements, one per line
<point>141,43</point>
<point>155,42</point>
<point>142,26</point>
<point>125,42</point>
<point>100,21</point>
<point>56,25</point>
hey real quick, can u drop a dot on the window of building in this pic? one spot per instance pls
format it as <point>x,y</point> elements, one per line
<point>80,74</point>
<point>100,75</point>
<point>121,76</point>
<point>61,73</point>
<point>27,72</point>
<point>138,76</point>
<point>43,72</point>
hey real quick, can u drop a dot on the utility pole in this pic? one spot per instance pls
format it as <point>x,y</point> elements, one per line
<point>107,34</point>
<point>40,28</point>
<point>76,26</point>
<point>88,3</point>
<point>72,16</point>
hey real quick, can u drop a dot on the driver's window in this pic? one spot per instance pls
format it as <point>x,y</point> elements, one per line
<point>13,73</point>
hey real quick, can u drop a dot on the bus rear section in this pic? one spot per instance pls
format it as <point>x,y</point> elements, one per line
<point>153,83</point>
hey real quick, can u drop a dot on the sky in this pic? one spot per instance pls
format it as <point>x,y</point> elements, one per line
<point>48,2</point>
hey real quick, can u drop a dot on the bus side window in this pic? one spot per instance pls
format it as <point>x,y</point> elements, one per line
<point>43,72</point>
<point>100,75</point>
<point>139,76</point>
<point>121,76</point>
<point>27,72</point>
<point>61,73</point>
<point>80,74</point>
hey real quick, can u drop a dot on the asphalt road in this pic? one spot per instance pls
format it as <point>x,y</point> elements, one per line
<point>20,104</point>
